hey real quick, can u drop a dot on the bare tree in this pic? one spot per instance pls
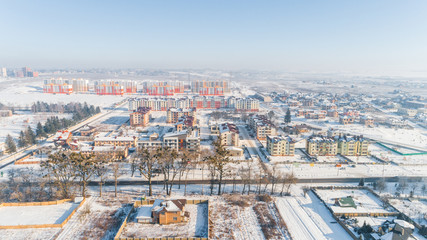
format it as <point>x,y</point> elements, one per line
<point>169,166</point>
<point>101,170</point>
<point>287,181</point>
<point>147,163</point>
<point>403,185</point>
<point>274,176</point>
<point>84,168</point>
<point>61,171</point>
<point>117,172</point>
<point>219,161</point>
<point>381,185</point>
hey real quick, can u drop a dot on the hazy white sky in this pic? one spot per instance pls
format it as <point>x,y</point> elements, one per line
<point>383,36</point>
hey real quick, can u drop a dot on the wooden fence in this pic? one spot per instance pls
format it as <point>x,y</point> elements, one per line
<point>60,225</point>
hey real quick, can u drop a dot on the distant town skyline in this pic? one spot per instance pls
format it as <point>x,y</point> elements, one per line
<point>360,36</point>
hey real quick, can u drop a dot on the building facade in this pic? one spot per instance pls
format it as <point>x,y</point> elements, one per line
<point>280,146</point>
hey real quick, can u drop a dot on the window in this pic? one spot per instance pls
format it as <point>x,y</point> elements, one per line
<point>175,218</point>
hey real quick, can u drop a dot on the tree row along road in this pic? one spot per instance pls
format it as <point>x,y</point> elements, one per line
<point>239,181</point>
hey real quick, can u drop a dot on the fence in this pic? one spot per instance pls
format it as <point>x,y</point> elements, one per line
<point>60,225</point>
<point>395,212</point>
<point>141,202</point>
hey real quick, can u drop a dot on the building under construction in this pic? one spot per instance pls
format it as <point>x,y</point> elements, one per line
<point>210,88</point>
<point>57,86</point>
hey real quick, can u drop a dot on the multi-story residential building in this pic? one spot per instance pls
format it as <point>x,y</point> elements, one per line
<point>183,140</point>
<point>322,146</point>
<point>163,88</point>
<point>140,117</point>
<point>262,126</point>
<point>206,88</point>
<point>57,86</point>
<point>228,133</point>
<point>128,142</point>
<point>280,146</point>
<point>352,145</point>
<point>111,87</point>
<point>173,114</point>
<point>198,102</point>
<point>340,144</point>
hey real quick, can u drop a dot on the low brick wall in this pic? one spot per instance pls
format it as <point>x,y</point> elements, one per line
<point>60,225</point>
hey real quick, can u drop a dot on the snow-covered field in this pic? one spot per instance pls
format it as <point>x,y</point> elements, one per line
<point>29,215</point>
<point>388,156</point>
<point>196,227</point>
<point>25,94</point>
<point>13,125</point>
<point>365,201</point>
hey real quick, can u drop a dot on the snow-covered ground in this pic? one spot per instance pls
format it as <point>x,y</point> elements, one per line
<point>307,218</point>
<point>388,156</point>
<point>365,201</point>
<point>415,209</point>
<point>29,215</point>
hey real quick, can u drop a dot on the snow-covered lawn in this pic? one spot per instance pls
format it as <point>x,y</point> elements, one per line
<point>29,233</point>
<point>365,201</point>
<point>196,227</point>
<point>29,215</point>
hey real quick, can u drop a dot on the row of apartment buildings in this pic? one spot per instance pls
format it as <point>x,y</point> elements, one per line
<point>330,146</point>
<point>345,145</point>
<point>103,87</point>
<point>199,102</point>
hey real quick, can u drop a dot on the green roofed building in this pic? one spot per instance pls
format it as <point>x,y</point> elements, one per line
<point>345,202</point>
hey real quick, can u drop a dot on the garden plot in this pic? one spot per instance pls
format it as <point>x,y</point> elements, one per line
<point>415,209</point>
<point>234,218</point>
<point>35,215</point>
<point>365,201</point>
<point>196,227</point>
